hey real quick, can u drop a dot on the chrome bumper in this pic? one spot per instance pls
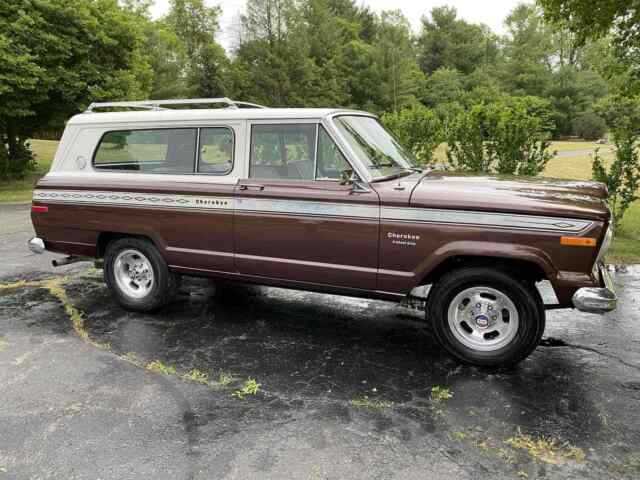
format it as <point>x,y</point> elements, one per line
<point>597,300</point>
<point>36,245</point>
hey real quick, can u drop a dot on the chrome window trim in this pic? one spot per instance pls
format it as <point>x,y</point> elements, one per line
<point>233,151</point>
<point>328,126</point>
<point>197,128</point>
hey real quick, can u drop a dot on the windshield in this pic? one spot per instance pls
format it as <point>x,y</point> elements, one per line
<point>374,146</point>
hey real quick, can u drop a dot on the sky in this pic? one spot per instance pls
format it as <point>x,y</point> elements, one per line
<point>489,12</point>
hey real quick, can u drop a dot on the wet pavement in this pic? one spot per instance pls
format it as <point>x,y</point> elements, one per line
<point>348,388</point>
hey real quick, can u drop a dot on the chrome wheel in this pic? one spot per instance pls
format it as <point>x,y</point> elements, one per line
<point>483,318</point>
<point>133,273</point>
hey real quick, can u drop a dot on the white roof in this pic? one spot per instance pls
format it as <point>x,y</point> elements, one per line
<point>202,114</point>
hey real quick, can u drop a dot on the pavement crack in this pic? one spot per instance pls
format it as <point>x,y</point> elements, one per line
<point>553,342</point>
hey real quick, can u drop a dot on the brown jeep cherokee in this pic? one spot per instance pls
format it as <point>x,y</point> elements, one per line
<point>323,200</point>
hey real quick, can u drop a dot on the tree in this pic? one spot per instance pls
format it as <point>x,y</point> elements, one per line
<point>273,65</point>
<point>444,86</point>
<point>168,58</point>
<point>207,66</point>
<point>358,66</point>
<point>588,19</point>
<point>57,56</point>
<point>589,125</point>
<point>528,51</point>
<point>447,41</point>
<point>622,178</point>
<point>400,74</point>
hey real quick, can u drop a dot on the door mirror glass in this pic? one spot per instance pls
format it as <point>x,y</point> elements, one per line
<point>346,177</point>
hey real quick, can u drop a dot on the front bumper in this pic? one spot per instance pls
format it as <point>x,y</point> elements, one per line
<point>36,245</point>
<point>597,300</point>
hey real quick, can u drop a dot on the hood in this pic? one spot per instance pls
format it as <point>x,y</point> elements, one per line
<point>534,196</point>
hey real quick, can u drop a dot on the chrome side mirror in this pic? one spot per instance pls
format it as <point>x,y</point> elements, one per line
<point>347,177</point>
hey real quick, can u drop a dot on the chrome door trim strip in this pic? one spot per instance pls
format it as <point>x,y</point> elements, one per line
<point>485,219</point>
<point>170,200</point>
<point>199,252</point>
<point>306,263</point>
<point>307,207</point>
<point>317,208</point>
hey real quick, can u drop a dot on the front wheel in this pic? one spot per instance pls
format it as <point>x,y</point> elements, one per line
<point>486,317</point>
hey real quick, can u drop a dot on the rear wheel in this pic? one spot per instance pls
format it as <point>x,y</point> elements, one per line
<point>137,275</point>
<point>485,316</point>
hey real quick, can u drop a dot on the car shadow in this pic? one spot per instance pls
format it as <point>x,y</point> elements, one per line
<point>323,349</point>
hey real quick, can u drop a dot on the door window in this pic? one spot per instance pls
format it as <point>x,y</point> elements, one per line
<point>216,151</point>
<point>283,151</point>
<point>150,151</point>
<point>331,163</point>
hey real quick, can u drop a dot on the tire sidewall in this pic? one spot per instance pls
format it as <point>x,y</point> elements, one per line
<point>527,303</point>
<point>156,298</point>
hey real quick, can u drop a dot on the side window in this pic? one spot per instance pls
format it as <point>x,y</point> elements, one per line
<point>216,151</point>
<point>150,151</point>
<point>331,162</point>
<point>283,151</point>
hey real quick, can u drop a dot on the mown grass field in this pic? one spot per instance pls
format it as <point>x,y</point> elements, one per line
<point>18,191</point>
<point>574,163</point>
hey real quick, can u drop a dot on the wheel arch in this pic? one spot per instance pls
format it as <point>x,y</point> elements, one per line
<point>518,259</point>
<point>105,238</point>
<point>524,268</point>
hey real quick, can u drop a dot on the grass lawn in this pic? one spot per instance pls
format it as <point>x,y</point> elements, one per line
<point>626,247</point>
<point>20,190</point>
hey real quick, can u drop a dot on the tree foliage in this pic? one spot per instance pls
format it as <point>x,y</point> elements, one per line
<point>417,128</point>
<point>57,56</point>
<point>622,177</point>
<point>509,138</point>
<point>449,42</point>
<point>588,19</point>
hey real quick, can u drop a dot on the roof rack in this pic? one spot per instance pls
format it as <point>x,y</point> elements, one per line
<point>158,104</point>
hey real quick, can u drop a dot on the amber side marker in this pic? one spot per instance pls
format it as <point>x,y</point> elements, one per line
<point>578,241</point>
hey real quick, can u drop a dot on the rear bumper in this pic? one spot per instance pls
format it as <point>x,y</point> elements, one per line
<point>597,299</point>
<point>36,245</point>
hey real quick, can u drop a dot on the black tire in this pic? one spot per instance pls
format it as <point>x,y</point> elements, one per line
<point>163,287</point>
<point>521,340</point>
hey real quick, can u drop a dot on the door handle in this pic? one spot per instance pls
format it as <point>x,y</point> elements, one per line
<point>251,186</point>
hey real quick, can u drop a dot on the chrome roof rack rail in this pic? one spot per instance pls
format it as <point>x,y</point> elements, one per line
<point>158,104</point>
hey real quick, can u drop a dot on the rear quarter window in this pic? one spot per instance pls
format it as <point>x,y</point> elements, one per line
<point>149,151</point>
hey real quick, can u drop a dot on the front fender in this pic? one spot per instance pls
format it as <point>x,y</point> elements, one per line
<point>475,248</point>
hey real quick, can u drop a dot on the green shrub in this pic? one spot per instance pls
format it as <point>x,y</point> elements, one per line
<point>519,139</point>
<point>589,125</point>
<point>417,128</point>
<point>16,158</point>
<point>510,137</point>
<point>622,178</point>
<point>467,135</point>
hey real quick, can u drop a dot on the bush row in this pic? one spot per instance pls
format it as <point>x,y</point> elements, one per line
<point>507,137</point>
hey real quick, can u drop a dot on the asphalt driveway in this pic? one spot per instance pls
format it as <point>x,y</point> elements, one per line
<point>348,388</point>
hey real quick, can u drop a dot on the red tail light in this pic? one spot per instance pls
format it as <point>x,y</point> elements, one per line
<point>39,208</point>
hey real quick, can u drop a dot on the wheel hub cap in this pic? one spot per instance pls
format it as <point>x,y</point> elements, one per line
<point>483,318</point>
<point>482,321</point>
<point>133,273</point>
